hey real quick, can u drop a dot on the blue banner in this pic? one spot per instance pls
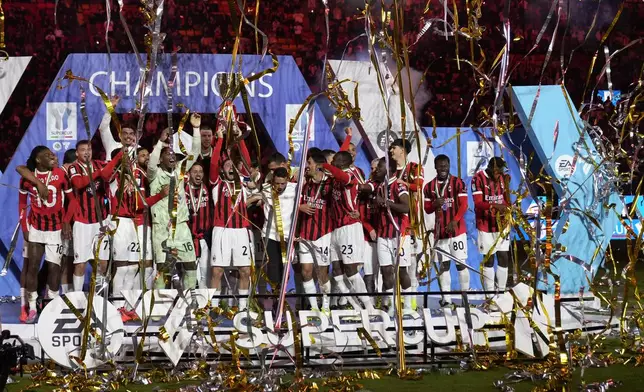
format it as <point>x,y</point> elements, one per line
<point>58,123</point>
<point>571,159</point>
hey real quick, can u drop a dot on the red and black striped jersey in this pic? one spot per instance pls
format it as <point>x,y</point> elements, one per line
<point>454,194</point>
<point>200,208</point>
<point>386,222</point>
<point>68,205</point>
<point>359,174</point>
<point>344,200</point>
<point>412,174</point>
<point>86,211</point>
<point>366,205</point>
<point>130,204</point>
<point>47,215</point>
<point>318,195</point>
<point>230,205</point>
<point>485,192</point>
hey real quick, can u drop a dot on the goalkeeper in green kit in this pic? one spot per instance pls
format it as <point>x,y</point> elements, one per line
<point>170,238</point>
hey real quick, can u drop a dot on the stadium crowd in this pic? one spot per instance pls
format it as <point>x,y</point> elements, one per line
<point>297,28</point>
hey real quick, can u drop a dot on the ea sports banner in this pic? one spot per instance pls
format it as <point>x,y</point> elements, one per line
<point>58,123</point>
<point>570,158</point>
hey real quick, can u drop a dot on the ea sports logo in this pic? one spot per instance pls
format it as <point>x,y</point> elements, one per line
<point>60,332</point>
<point>564,166</point>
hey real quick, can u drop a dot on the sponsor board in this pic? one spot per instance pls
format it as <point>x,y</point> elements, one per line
<point>182,318</point>
<point>60,331</point>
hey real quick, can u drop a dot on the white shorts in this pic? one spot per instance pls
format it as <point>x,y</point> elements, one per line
<point>231,248</point>
<point>347,244</point>
<point>387,248</point>
<point>318,251</point>
<point>455,246</point>
<point>370,254</point>
<point>488,241</point>
<point>128,242</point>
<point>86,239</point>
<point>258,242</point>
<point>53,242</point>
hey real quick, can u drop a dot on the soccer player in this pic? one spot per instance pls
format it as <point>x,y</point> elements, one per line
<point>446,197</point>
<point>232,245</point>
<point>366,200</point>
<point>171,233</point>
<point>200,220</point>
<point>411,175</point>
<point>91,213</point>
<point>45,226</point>
<point>347,239</point>
<point>491,201</point>
<point>315,230</point>
<point>128,134</point>
<point>394,243</point>
<point>128,187</point>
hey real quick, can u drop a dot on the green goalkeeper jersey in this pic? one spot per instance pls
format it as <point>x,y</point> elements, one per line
<point>159,178</point>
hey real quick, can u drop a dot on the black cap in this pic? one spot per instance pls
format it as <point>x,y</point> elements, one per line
<point>404,143</point>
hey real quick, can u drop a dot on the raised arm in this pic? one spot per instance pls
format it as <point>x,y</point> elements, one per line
<point>195,121</point>
<point>215,158</point>
<point>347,140</point>
<point>155,157</point>
<point>337,173</point>
<point>109,143</point>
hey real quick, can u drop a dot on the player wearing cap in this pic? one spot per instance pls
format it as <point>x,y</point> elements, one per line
<point>491,201</point>
<point>446,197</point>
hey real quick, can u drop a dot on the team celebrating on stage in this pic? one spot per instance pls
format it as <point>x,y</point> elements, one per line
<point>210,216</point>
